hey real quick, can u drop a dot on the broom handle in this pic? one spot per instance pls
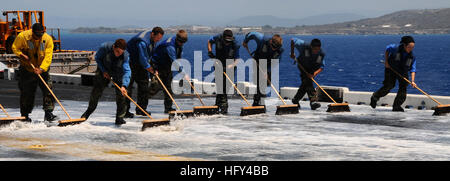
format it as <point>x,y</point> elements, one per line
<point>236,89</point>
<point>7,115</point>
<point>323,90</point>
<point>301,67</point>
<point>167,91</point>
<point>126,95</point>
<point>416,86</point>
<point>50,90</point>
<point>270,82</point>
<point>199,98</point>
<point>273,87</point>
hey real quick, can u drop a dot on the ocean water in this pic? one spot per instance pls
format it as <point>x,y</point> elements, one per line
<point>351,60</point>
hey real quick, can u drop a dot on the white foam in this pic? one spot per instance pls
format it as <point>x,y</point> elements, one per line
<point>363,134</point>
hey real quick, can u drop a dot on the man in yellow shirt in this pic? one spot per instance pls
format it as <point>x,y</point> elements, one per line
<point>34,47</point>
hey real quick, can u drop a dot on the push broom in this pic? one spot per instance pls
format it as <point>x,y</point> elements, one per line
<point>8,118</point>
<point>250,110</point>
<point>207,110</point>
<point>335,107</point>
<point>286,108</point>
<point>439,110</point>
<point>281,109</point>
<point>69,121</point>
<point>147,123</point>
<point>186,113</point>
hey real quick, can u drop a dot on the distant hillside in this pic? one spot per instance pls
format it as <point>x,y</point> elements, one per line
<point>104,30</point>
<point>291,22</point>
<point>430,21</point>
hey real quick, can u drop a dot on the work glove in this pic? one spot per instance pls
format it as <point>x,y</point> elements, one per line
<point>211,55</point>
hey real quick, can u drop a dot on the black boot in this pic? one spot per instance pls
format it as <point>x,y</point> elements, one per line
<point>129,115</point>
<point>314,105</point>
<point>139,112</point>
<point>167,110</point>
<point>49,116</point>
<point>223,110</point>
<point>27,119</point>
<point>120,121</point>
<point>257,102</point>
<point>296,101</point>
<point>398,109</point>
<point>85,115</point>
<point>373,102</point>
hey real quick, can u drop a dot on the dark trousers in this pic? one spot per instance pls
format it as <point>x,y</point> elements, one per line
<point>155,87</point>
<point>140,76</point>
<point>100,83</point>
<point>221,96</point>
<point>306,87</point>
<point>260,93</point>
<point>28,83</point>
<point>389,83</point>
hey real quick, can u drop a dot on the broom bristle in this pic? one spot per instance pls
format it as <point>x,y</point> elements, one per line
<point>441,110</point>
<point>206,110</point>
<point>154,122</point>
<point>287,109</point>
<point>183,114</point>
<point>71,122</point>
<point>341,107</point>
<point>251,110</point>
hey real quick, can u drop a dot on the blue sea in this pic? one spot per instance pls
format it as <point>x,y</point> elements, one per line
<point>352,61</point>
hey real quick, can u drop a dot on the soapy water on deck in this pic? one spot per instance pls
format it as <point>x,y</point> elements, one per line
<point>363,134</point>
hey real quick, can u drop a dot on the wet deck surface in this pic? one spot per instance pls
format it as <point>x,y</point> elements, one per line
<point>363,134</point>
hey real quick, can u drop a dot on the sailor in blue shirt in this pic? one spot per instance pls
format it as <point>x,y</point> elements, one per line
<point>141,48</point>
<point>267,47</point>
<point>164,55</point>
<point>112,63</point>
<point>311,58</point>
<point>401,59</point>
<point>226,48</point>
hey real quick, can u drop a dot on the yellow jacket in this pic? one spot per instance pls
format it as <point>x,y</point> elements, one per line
<point>39,52</point>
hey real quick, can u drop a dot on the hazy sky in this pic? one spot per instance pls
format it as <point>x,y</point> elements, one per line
<point>135,12</point>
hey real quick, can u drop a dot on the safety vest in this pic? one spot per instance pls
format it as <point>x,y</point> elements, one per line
<point>399,62</point>
<point>223,52</point>
<point>112,64</point>
<point>265,52</point>
<point>133,49</point>
<point>309,61</point>
<point>161,59</point>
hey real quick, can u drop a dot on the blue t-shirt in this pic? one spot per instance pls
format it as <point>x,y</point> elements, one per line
<point>300,45</point>
<point>165,53</point>
<point>260,40</point>
<point>216,38</point>
<point>103,63</point>
<point>393,49</point>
